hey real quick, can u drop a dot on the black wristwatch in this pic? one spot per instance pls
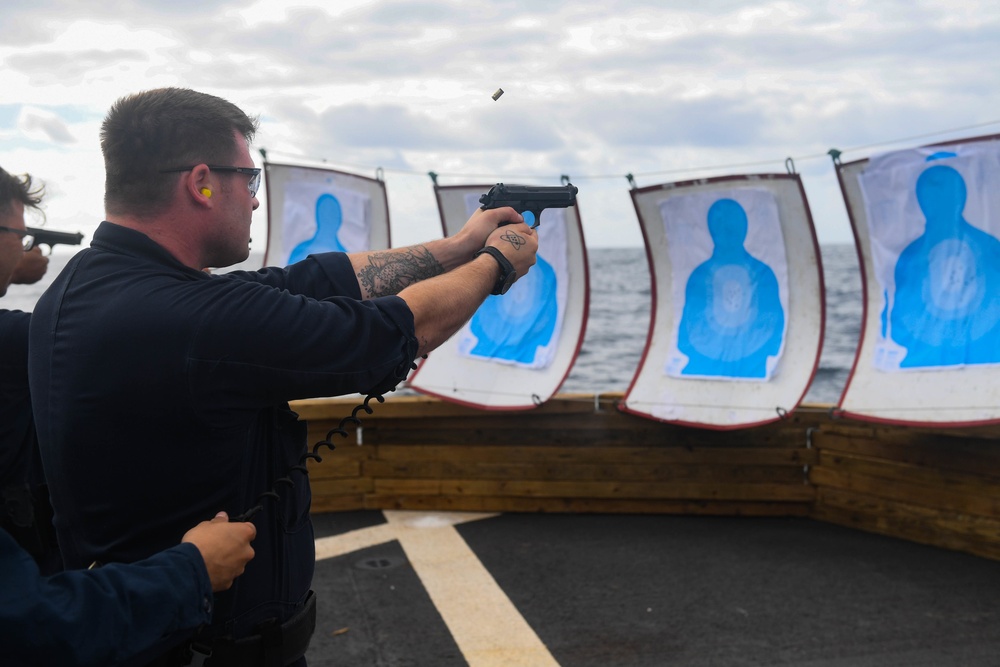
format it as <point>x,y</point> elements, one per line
<point>507,273</point>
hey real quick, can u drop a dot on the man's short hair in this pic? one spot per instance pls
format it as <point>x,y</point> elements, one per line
<point>165,128</point>
<point>19,188</point>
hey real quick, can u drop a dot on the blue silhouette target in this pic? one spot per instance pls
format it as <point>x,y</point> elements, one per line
<point>523,326</point>
<point>732,319</point>
<point>329,218</point>
<point>514,327</point>
<point>946,306</point>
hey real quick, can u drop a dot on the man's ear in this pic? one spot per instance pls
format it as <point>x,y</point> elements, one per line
<point>200,184</point>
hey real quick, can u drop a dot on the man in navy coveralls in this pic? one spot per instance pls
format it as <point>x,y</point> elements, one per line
<point>106,615</point>
<point>161,391</point>
<point>25,512</point>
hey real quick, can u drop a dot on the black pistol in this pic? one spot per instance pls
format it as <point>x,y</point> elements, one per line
<point>51,238</point>
<point>533,198</point>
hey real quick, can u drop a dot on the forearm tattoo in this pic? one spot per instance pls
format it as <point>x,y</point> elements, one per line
<point>389,272</point>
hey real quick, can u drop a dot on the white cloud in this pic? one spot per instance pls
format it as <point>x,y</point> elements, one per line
<point>35,122</point>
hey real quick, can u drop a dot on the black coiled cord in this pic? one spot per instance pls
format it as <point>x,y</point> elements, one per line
<point>340,430</point>
<point>314,455</point>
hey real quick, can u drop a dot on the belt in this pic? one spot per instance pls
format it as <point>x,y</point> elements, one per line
<point>273,645</point>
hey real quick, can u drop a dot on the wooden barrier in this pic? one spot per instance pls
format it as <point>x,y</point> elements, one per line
<point>933,486</point>
<point>569,455</point>
<point>578,454</point>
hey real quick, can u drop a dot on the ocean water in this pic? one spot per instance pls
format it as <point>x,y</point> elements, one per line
<point>619,318</point>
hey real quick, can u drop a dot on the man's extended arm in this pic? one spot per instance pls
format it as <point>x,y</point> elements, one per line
<point>385,272</point>
<point>442,304</point>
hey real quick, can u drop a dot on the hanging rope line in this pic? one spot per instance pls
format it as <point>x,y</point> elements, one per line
<point>679,170</point>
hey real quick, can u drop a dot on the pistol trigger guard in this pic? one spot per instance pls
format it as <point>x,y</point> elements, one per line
<point>537,215</point>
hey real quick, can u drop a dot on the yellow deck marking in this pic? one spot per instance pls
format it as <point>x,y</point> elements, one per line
<point>356,540</point>
<point>481,618</point>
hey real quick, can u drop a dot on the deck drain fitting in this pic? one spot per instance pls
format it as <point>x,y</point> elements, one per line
<point>380,563</point>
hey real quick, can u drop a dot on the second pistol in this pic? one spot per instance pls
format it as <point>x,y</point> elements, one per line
<point>51,238</point>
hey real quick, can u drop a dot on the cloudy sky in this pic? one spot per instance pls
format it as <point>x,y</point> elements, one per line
<point>667,91</point>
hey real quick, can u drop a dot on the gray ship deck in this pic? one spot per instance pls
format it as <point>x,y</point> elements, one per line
<point>431,589</point>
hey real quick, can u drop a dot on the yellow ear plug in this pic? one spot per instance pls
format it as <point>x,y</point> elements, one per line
<point>206,192</point>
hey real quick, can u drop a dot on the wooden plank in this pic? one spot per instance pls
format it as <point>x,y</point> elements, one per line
<point>339,487</point>
<point>915,494</point>
<point>423,406</point>
<point>788,474</point>
<point>342,450</point>
<point>881,526</point>
<point>957,482</point>
<point>578,433</point>
<point>589,505</point>
<point>318,432</point>
<point>636,455</point>
<point>945,436</point>
<point>617,489</point>
<point>334,467</point>
<point>982,529</point>
<point>946,455</point>
<point>950,530</point>
<point>841,430</point>
<point>344,503</point>
<point>580,405</point>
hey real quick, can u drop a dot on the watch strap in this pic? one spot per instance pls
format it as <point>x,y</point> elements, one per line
<point>507,273</point>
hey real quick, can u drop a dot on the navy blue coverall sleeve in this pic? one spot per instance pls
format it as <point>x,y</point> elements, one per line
<point>101,616</point>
